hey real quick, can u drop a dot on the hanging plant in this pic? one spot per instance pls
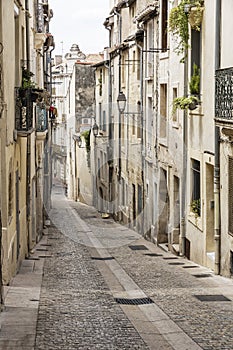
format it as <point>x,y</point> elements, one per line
<point>179,20</point>
<point>195,16</point>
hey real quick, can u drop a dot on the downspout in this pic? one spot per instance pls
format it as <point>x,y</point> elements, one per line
<point>27,35</point>
<point>119,114</point>
<point>28,175</point>
<point>110,131</point>
<point>184,165</point>
<point>217,228</point>
<point>142,131</point>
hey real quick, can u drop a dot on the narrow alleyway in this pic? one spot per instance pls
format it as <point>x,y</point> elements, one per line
<point>105,287</point>
<point>94,264</point>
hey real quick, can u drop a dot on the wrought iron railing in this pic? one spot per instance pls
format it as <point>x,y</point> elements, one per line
<point>23,109</point>
<point>224,94</point>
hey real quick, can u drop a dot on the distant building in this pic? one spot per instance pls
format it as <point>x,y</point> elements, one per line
<point>73,98</point>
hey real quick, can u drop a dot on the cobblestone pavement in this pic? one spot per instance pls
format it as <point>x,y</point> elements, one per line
<point>77,309</point>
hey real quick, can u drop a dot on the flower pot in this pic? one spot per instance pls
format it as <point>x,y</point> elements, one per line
<point>195,17</point>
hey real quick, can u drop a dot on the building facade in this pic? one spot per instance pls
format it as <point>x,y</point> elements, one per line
<point>25,145</point>
<point>164,158</point>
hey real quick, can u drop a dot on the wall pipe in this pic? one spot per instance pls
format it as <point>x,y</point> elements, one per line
<point>217,228</point>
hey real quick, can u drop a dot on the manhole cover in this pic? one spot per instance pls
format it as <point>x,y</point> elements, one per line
<point>213,297</point>
<point>103,259</point>
<point>153,254</point>
<point>138,247</point>
<point>203,275</point>
<point>138,301</point>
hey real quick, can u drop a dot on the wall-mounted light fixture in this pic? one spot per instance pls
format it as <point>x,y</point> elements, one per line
<point>95,129</point>
<point>121,102</point>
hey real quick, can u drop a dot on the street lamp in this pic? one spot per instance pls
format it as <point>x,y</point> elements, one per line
<point>121,102</point>
<point>95,129</point>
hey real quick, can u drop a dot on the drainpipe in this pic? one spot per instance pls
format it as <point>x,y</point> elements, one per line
<point>184,166</point>
<point>119,114</point>
<point>217,228</point>
<point>142,131</point>
<point>110,128</point>
<point>27,35</point>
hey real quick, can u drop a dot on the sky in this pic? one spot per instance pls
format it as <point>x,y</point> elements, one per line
<point>79,22</point>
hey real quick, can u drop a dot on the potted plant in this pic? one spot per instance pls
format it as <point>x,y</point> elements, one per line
<point>195,15</point>
<point>189,102</point>
<point>196,207</point>
<point>193,100</point>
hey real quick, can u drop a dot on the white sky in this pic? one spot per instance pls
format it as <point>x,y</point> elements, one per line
<point>79,22</point>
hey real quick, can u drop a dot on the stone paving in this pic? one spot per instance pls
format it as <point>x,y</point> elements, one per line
<point>77,309</point>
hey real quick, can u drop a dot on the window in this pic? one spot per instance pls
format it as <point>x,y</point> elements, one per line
<point>101,83</point>
<point>174,113</point>
<point>132,11</point>
<point>164,21</point>
<point>163,110</point>
<point>123,69</point>
<point>150,45</point>
<point>104,121</point>
<point>196,188</point>
<point>134,60</point>
<point>196,50</point>
<point>100,116</point>
<point>10,195</point>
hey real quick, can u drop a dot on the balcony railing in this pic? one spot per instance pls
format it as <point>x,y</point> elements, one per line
<point>23,109</point>
<point>224,95</point>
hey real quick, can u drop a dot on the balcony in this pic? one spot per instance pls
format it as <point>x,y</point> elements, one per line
<point>24,110</point>
<point>59,150</point>
<point>224,97</point>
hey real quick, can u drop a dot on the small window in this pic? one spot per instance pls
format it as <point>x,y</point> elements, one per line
<point>175,112</point>
<point>164,25</point>
<point>163,110</point>
<point>196,188</point>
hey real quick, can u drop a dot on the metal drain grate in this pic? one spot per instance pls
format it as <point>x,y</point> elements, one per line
<point>217,297</point>
<point>102,259</point>
<point>190,267</point>
<point>176,263</point>
<point>138,301</point>
<point>153,254</point>
<point>138,247</point>
<point>203,275</point>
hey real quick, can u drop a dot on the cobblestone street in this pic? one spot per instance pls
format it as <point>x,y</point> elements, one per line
<point>93,265</point>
